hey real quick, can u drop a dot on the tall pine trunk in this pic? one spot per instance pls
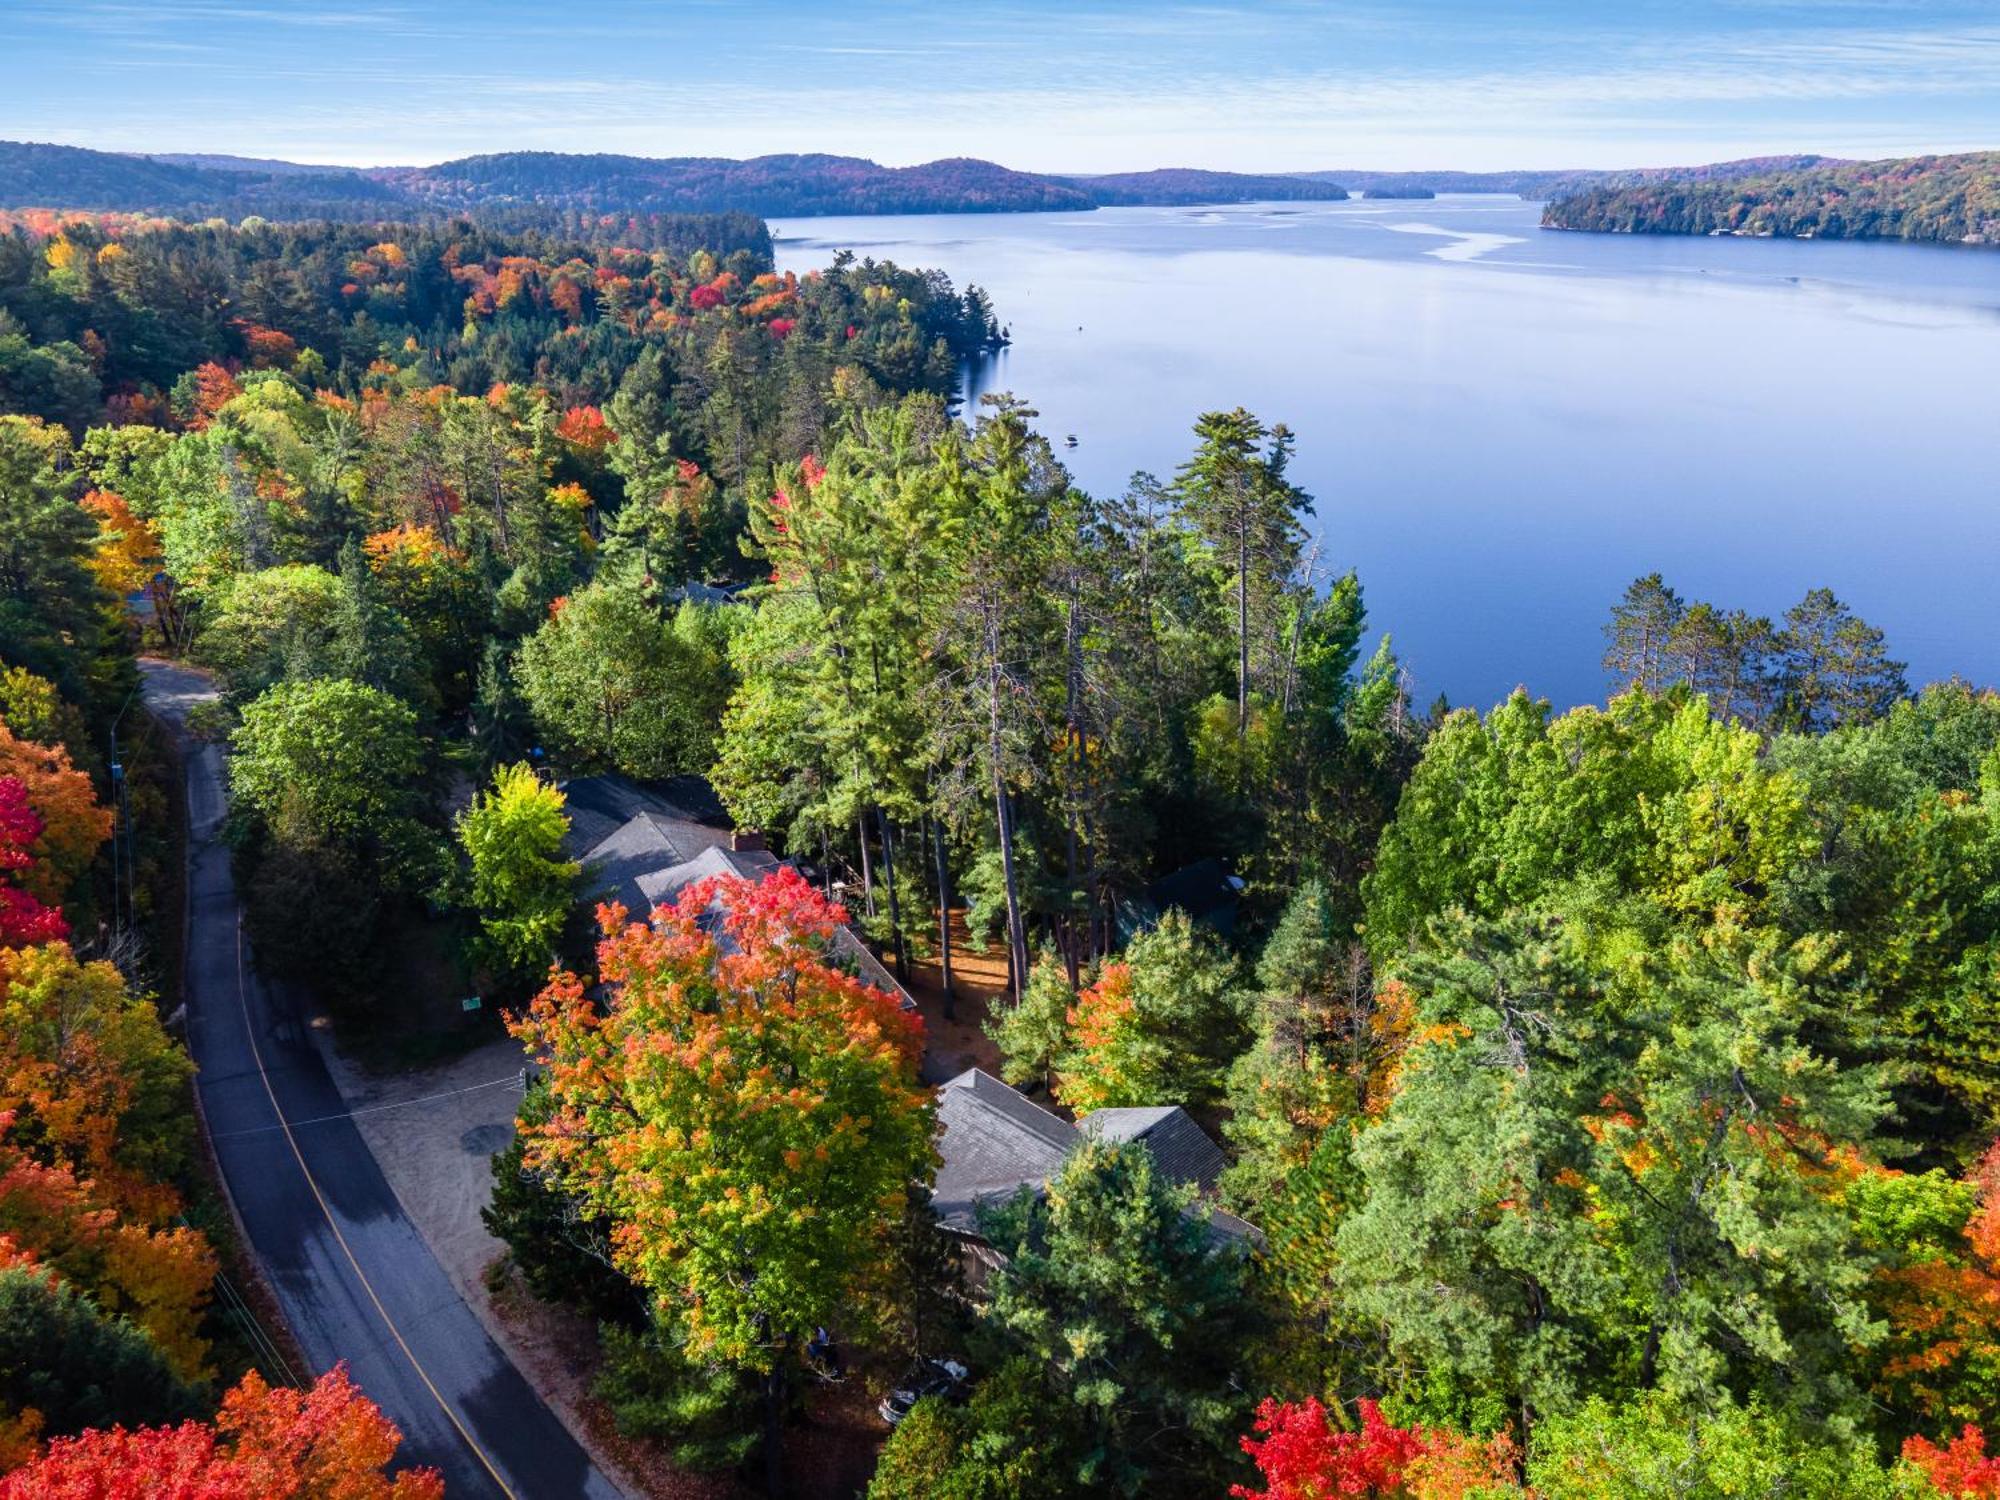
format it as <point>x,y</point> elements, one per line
<point>1073,713</point>
<point>774,1429</point>
<point>1242,629</point>
<point>889,882</point>
<point>1017,942</point>
<point>934,832</point>
<point>867,870</point>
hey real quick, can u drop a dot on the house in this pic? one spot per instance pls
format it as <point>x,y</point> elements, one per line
<point>994,1141</point>
<point>643,845</point>
<point>1205,890</point>
<point>1180,1148</point>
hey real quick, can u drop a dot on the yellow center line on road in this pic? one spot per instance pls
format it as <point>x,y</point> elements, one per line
<point>250,1032</point>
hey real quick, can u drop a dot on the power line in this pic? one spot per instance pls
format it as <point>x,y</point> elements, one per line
<point>518,1080</point>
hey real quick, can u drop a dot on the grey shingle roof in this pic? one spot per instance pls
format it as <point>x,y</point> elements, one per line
<point>662,883</point>
<point>994,1142</point>
<point>659,887</point>
<point>615,867</point>
<point>1180,1148</point>
<point>600,805</point>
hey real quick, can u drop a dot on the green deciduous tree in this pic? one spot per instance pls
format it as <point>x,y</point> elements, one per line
<point>614,686</point>
<point>327,786</point>
<point>1646,797</point>
<point>1013,1440</point>
<point>329,761</point>
<point>522,887</point>
<point>1617,1180</point>
<point>1714,1449</point>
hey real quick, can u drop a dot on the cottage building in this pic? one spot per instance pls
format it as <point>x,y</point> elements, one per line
<point>994,1141</point>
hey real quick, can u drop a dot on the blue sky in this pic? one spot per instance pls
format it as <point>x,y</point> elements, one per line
<point>1088,85</point>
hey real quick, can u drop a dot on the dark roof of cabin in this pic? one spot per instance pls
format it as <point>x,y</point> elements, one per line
<point>1198,889</point>
<point>617,866</point>
<point>995,1141</point>
<point>659,887</point>
<point>1180,1147</point>
<point>600,805</point>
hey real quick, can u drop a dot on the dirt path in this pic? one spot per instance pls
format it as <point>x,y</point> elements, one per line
<point>979,984</point>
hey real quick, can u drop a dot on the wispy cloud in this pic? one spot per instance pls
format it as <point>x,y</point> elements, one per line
<point>1038,83</point>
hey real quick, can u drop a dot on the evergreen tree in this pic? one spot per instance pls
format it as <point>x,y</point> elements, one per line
<point>1639,649</point>
<point>61,1357</point>
<point>1835,667</point>
<point>1235,493</point>
<point>1033,1034</point>
<point>1136,1312</point>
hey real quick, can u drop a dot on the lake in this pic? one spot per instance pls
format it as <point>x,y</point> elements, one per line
<point>1504,425</point>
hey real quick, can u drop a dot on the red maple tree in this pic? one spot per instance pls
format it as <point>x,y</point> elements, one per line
<point>1961,1469</point>
<point>328,1443</point>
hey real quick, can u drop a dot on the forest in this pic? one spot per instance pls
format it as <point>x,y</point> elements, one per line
<point>1609,1096</point>
<point>1946,200</point>
<point>525,189</point>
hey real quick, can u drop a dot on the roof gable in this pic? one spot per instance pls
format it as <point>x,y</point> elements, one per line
<point>1182,1150</point>
<point>995,1141</point>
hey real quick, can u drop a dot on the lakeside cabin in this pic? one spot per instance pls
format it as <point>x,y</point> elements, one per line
<point>642,845</point>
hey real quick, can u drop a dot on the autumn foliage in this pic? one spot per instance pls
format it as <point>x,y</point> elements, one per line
<point>743,1111</point>
<point>127,555</point>
<point>93,1118</point>
<point>73,824</point>
<point>328,1443</point>
<point>1941,1356</point>
<point>1961,1468</point>
<point>1301,1455</point>
<point>23,917</point>
<point>584,427</point>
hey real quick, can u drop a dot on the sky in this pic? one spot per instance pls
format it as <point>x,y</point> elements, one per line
<point>1042,85</point>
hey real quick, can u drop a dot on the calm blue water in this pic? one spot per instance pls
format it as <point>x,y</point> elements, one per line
<point>1504,425</point>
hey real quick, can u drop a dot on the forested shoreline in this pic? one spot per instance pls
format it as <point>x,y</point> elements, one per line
<point>1948,200</point>
<point>1609,1098</point>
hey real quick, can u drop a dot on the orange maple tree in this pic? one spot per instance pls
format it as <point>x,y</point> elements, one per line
<point>128,550</point>
<point>328,1443</point>
<point>744,1112</point>
<point>74,826</point>
<point>157,1277</point>
<point>1961,1468</point>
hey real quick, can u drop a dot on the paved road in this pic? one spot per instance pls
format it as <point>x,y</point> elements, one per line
<point>356,1280</point>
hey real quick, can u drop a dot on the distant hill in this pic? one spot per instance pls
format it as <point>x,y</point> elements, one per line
<point>1185,185</point>
<point>1550,184</point>
<point>263,165</point>
<point>1526,184</point>
<point>1952,200</point>
<point>763,185</point>
<point>43,176</point>
<point>515,186</point>
<point>523,188</point>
